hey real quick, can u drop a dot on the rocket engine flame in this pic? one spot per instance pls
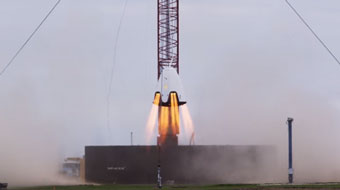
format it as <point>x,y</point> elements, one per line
<point>152,119</point>
<point>168,118</point>
<point>187,122</point>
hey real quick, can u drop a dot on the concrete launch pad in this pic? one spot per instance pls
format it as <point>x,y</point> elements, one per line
<point>179,164</point>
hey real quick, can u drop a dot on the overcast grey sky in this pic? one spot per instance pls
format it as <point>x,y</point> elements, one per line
<point>246,65</point>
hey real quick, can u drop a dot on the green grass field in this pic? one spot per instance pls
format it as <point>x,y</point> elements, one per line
<point>186,187</point>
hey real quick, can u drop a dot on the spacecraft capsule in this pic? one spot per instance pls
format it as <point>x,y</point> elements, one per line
<point>169,82</point>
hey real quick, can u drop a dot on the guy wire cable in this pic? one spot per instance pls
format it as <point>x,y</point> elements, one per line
<point>312,31</point>
<point>113,67</point>
<point>29,38</point>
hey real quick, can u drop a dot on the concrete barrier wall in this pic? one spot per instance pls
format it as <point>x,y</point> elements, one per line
<point>179,164</point>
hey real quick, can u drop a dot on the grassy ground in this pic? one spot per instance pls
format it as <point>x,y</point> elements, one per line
<point>187,187</point>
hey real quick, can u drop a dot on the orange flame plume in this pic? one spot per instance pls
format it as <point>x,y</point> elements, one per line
<point>168,119</point>
<point>187,122</point>
<point>151,123</point>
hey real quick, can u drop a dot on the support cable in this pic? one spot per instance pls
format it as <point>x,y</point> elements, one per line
<point>312,31</point>
<point>29,38</point>
<point>113,67</point>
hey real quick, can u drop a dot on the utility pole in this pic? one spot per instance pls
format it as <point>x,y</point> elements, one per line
<point>131,138</point>
<point>290,151</point>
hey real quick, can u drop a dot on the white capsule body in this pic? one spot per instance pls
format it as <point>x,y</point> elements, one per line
<point>169,82</point>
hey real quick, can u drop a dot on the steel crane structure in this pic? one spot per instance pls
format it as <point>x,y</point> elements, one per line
<point>168,35</point>
<point>168,96</point>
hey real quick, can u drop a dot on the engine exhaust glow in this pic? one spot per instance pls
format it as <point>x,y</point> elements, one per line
<point>168,120</point>
<point>152,119</point>
<point>167,115</point>
<point>188,125</point>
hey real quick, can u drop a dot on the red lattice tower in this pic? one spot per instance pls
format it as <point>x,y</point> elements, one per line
<point>168,35</point>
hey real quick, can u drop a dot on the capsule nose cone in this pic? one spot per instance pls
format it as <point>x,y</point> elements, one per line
<point>169,82</point>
